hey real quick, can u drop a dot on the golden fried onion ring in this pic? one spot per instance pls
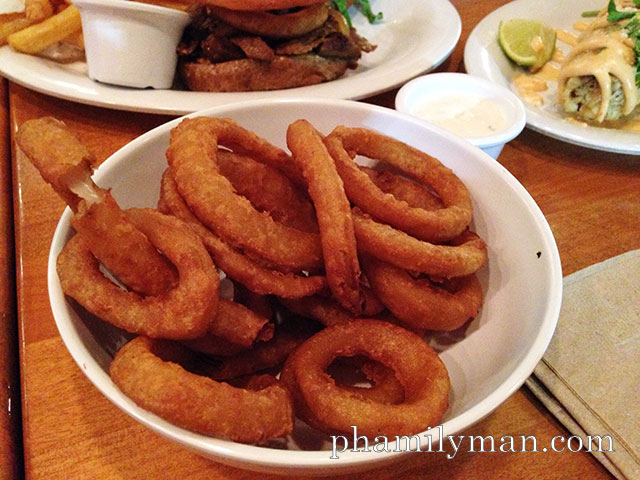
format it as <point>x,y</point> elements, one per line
<point>192,160</point>
<point>269,190</point>
<point>421,303</point>
<point>237,266</point>
<point>334,214</point>
<point>262,356</point>
<point>465,255</point>
<point>182,313</point>
<point>402,188</point>
<point>384,387</point>
<point>198,403</point>
<point>122,248</point>
<point>239,325</point>
<point>430,225</point>
<point>330,408</point>
<point>267,24</point>
<point>259,5</point>
<point>66,164</point>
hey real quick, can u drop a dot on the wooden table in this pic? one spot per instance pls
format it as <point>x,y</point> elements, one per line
<point>10,439</point>
<point>71,431</point>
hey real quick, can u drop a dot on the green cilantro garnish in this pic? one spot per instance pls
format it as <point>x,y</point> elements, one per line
<point>363,5</point>
<point>341,6</point>
<point>633,30</point>
<point>614,15</point>
<point>590,13</point>
<point>632,26</point>
<point>636,50</point>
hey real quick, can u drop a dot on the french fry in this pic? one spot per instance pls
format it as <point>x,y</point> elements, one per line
<point>59,5</point>
<point>76,39</point>
<point>8,17</point>
<point>12,23</point>
<point>38,10</point>
<point>37,37</point>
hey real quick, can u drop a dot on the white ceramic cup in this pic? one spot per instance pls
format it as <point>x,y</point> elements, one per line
<point>412,96</point>
<point>131,44</point>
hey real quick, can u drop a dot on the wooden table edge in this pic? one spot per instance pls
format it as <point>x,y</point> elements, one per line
<point>11,458</point>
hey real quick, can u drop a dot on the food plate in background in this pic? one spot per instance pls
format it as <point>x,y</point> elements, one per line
<point>497,352</point>
<point>411,40</point>
<point>484,57</point>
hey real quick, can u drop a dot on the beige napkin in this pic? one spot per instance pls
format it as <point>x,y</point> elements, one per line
<point>589,378</point>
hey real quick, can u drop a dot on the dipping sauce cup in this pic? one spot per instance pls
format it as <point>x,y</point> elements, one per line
<point>485,114</point>
<point>131,44</point>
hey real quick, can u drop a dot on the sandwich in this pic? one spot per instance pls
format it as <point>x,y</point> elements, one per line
<point>229,48</point>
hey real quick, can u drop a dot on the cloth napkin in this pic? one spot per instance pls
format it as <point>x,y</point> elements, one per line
<point>589,377</point>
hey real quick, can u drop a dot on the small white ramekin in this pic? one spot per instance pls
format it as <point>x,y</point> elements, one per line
<point>409,97</point>
<point>129,43</point>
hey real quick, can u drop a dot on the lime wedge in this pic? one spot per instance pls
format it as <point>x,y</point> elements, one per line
<point>529,43</point>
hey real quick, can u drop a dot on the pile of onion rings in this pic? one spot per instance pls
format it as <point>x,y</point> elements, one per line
<point>332,271</point>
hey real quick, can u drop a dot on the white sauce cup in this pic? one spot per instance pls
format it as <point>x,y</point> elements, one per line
<point>131,44</point>
<point>486,114</point>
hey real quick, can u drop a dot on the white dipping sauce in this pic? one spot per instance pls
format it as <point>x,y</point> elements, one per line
<point>467,115</point>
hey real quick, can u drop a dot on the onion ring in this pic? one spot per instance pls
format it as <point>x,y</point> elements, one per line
<point>262,356</point>
<point>213,408</point>
<point>260,5</point>
<point>320,309</point>
<point>122,248</point>
<point>260,304</point>
<point>239,325</point>
<point>238,267</point>
<point>66,164</point>
<point>384,387</point>
<point>334,214</point>
<point>430,225</point>
<point>192,159</point>
<point>269,190</point>
<point>403,189</point>
<point>422,303</point>
<point>61,159</point>
<point>464,257</point>
<point>286,25</point>
<point>213,346</point>
<point>330,408</point>
<point>327,311</point>
<point>184,312</point>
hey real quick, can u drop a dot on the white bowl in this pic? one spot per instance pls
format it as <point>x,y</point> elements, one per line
<point>129,43</point>
<point>500,348</point>
<point>452,101</point>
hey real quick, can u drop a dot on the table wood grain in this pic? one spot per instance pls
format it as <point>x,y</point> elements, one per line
<point>10,435</point>
<point>71,431</point>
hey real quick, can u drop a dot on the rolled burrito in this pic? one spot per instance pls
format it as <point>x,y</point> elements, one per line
<point>598,77</point>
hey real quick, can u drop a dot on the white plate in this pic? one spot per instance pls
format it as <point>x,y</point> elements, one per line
<point>411,40</point>
<point>499,349</point>
<point>483,57</point>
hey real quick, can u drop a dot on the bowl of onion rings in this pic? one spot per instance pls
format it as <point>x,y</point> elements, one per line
<point>487,359</point>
